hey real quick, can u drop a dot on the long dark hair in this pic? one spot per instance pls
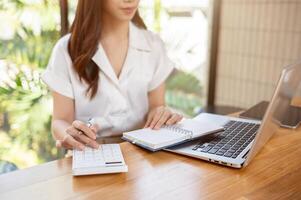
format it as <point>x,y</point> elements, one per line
<point>85,36</point>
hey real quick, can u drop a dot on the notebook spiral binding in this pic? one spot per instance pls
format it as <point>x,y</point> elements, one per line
<point>178,129</point>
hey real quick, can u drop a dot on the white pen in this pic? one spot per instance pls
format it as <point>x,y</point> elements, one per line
<point>89,123</point>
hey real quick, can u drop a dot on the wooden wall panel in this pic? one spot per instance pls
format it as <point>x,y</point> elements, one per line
<point>257,38</point>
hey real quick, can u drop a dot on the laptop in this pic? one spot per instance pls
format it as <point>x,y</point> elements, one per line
<point>242,139</point>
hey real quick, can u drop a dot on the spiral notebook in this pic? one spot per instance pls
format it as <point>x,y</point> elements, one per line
<point>171,135</point>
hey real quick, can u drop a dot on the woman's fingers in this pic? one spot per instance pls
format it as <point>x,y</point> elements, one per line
<point>164,117</point>
<point>69,142</point>
<point>84,128</point>
<point>87,141</point>
<point>161,116</point>
<point>156,118</point>
<point>174,119</point>
<point>179,118</point>
<point>94,128</point>
<point>149,119</point>
<point>78,135</point>
<point>58,144</point>
<point>93,125</point>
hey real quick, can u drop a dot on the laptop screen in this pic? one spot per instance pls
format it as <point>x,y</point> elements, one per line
<point>286,97</point>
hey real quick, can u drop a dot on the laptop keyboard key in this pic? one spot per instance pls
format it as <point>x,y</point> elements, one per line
<point>195,148</point>
<point>206,149</point>
<point>213,150</point>
<point>220,153</point>
<point>235,155</point>
<point>228,154</point>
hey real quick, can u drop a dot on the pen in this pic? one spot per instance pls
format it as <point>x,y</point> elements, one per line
<point>89,122</point>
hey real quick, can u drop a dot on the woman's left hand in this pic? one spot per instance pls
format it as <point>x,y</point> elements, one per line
<point>160,116</point>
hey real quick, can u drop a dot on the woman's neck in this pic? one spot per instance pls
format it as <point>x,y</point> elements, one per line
<point>116,29</point>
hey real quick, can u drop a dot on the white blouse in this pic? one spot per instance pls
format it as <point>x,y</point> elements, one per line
<point>120,104</point>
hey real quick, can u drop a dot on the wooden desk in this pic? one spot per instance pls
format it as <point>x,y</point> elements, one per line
<point>274,173</point>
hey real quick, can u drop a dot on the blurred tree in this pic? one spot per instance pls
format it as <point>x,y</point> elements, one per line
<point>157,15</point>
<point>23,97</point>
<point>184,92</point>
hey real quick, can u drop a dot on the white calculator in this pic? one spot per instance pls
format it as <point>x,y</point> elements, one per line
<point>104,160</point>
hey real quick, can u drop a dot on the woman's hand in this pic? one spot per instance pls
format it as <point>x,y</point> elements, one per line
<point>78,135</point>
<point>160,116</point>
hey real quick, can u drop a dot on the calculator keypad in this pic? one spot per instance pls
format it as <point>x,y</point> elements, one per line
<point>106,155</point>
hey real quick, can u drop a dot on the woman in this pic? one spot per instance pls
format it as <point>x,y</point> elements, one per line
<point>111,69</point>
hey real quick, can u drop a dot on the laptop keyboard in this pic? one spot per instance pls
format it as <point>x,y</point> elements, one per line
<point>230,142</point>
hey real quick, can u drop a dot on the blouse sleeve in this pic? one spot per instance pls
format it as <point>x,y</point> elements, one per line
<point>57,76</point>
<point>163,68</point>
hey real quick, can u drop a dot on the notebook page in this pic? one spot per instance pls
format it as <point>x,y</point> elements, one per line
<point>155,138</point>
<point>198,128</point>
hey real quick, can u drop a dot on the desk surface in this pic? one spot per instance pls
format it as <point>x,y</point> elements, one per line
<point>274,173</point>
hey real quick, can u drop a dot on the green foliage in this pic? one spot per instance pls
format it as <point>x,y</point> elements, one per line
<point>184,92</point>
<point>157,15</point>
<point>22,94</point>
<point>8,4</point>
<point>16,153</point>
<point>29,111</point>
<point>33,51</point>
<point>184,82</point>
